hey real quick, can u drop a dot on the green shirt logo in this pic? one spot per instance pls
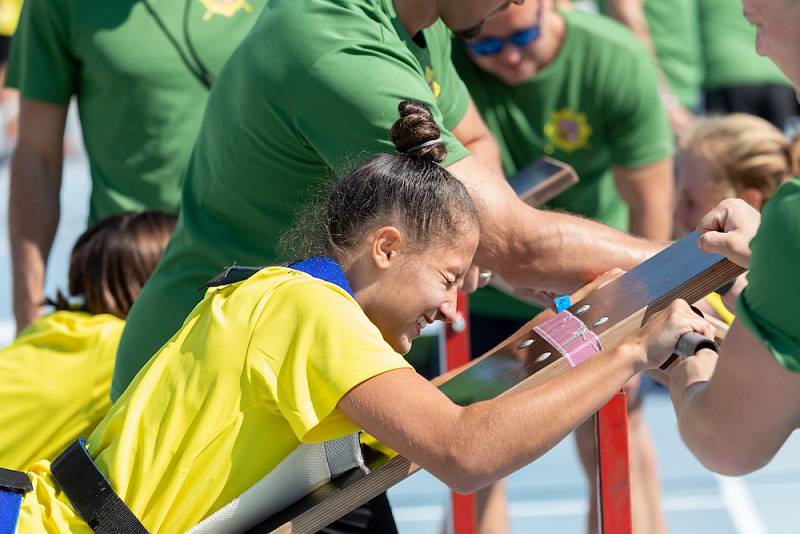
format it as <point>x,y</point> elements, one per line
<point>567,131</point>
<point>432,83</point>
<point>226,8</point>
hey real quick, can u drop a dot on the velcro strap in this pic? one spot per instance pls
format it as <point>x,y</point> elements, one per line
<point>91,494</point>
<point>14,481</point>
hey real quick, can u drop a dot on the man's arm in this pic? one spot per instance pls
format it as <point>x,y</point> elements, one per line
<point>34,204</point>
<point>648,191</point>
<point>538,248</point>
<point>529,247</point>
<point>472,132</point>
<point>734,412</point>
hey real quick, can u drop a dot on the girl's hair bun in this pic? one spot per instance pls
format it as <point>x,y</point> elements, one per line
<point>416,134</point>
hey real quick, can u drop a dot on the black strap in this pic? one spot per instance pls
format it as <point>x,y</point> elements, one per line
<point>14,481</point>
<point>91,494</point>
<point>231,275</point>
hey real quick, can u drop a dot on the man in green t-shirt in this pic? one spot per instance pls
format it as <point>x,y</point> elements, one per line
<point>736,411</point>
<point>670,30</point>
<point>737,79</point>
<point>581,88</point>
<point>140,72</point>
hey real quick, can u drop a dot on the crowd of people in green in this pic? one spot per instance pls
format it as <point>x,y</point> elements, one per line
<point>355,154</point>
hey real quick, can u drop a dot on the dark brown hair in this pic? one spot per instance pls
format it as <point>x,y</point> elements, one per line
<point>408,189</point>
<point>112,260</point>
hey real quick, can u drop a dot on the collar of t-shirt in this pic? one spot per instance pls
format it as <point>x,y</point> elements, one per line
<point>324,268</point>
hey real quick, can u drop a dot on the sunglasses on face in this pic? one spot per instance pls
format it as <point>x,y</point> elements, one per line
<point>494,45</point>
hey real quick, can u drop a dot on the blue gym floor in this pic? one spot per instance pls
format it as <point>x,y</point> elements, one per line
<point>546,497</point>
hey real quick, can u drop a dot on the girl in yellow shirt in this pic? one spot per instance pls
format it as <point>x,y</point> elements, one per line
<point>56,376</point>
<point>232,419</point>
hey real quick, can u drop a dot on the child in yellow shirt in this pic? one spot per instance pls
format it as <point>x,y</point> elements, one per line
<point>55,377</point>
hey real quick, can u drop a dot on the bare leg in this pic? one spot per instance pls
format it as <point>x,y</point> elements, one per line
<point>647,516</point>
<point>492,509</point>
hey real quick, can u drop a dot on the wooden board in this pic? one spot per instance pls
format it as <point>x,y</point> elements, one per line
<point>615,311</point>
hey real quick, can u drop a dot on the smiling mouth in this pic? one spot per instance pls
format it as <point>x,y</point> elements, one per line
<point>422,323</point>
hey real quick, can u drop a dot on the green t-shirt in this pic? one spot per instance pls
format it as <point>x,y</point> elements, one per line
<point>140,107</point>
<point>675,30</point>
<point>312,90</point>
<point>729,52</point>
<point>596,105</point>
<point>767,305</point>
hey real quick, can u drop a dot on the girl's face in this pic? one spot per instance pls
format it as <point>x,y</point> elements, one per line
<point>698,192</point>
<point>418,288</point>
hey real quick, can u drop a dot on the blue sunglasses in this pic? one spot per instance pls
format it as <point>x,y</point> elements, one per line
<point>494,45</point>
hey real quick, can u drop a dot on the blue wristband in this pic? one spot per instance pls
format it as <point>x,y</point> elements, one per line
<point>562,303</point>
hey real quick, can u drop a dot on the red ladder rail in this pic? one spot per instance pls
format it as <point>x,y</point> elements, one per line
<point>611,434</point>
<point>457,353</point>
<point>613,469</point>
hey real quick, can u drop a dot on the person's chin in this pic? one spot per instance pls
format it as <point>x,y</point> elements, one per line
<point>517,77</point>
<point>403,344</point>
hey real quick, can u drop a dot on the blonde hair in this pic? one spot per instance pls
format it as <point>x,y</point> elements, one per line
<point>748,152</point>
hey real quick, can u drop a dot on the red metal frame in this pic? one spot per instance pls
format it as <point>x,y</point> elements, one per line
<point>611,433</point>
<point>613,471</point>
<point>457,353</point>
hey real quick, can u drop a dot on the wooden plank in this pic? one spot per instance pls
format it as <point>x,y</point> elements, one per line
<point>614,312</point>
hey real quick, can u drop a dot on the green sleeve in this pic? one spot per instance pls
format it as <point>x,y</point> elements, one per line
<point>349,102</point>
<point>41,65</point>
<point>768,305</point>
<point>454,97</point>
<point>639,130</point>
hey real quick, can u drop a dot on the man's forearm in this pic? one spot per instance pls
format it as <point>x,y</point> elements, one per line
<point>561,252</point>
<point>542,249</point>
<point>33,215</point>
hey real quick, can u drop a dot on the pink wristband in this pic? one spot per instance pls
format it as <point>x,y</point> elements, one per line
<point>569,336</point>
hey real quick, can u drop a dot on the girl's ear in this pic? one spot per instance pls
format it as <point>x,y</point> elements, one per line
<point>387,245</point>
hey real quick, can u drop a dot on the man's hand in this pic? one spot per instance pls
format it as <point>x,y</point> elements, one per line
<point>475,279</point>
<point>728,230</point>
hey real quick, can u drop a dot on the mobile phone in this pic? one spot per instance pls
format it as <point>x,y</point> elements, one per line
<point>543,180</point>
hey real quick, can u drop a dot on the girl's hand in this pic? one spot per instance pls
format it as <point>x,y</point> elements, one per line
<point>659,336</point>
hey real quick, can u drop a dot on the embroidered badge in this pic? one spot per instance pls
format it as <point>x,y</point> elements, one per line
<point>226,8</point>
<point>432,83</point>
<point>567,131</point>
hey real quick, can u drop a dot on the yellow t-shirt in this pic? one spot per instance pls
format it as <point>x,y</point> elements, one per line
<point>9,16</point>
<point>257,368</point>
<point>56,380</point>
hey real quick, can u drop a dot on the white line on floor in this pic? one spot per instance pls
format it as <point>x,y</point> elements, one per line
<point>740,505</point>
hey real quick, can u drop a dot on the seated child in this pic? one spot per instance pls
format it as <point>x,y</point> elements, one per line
<point>56,374</point>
